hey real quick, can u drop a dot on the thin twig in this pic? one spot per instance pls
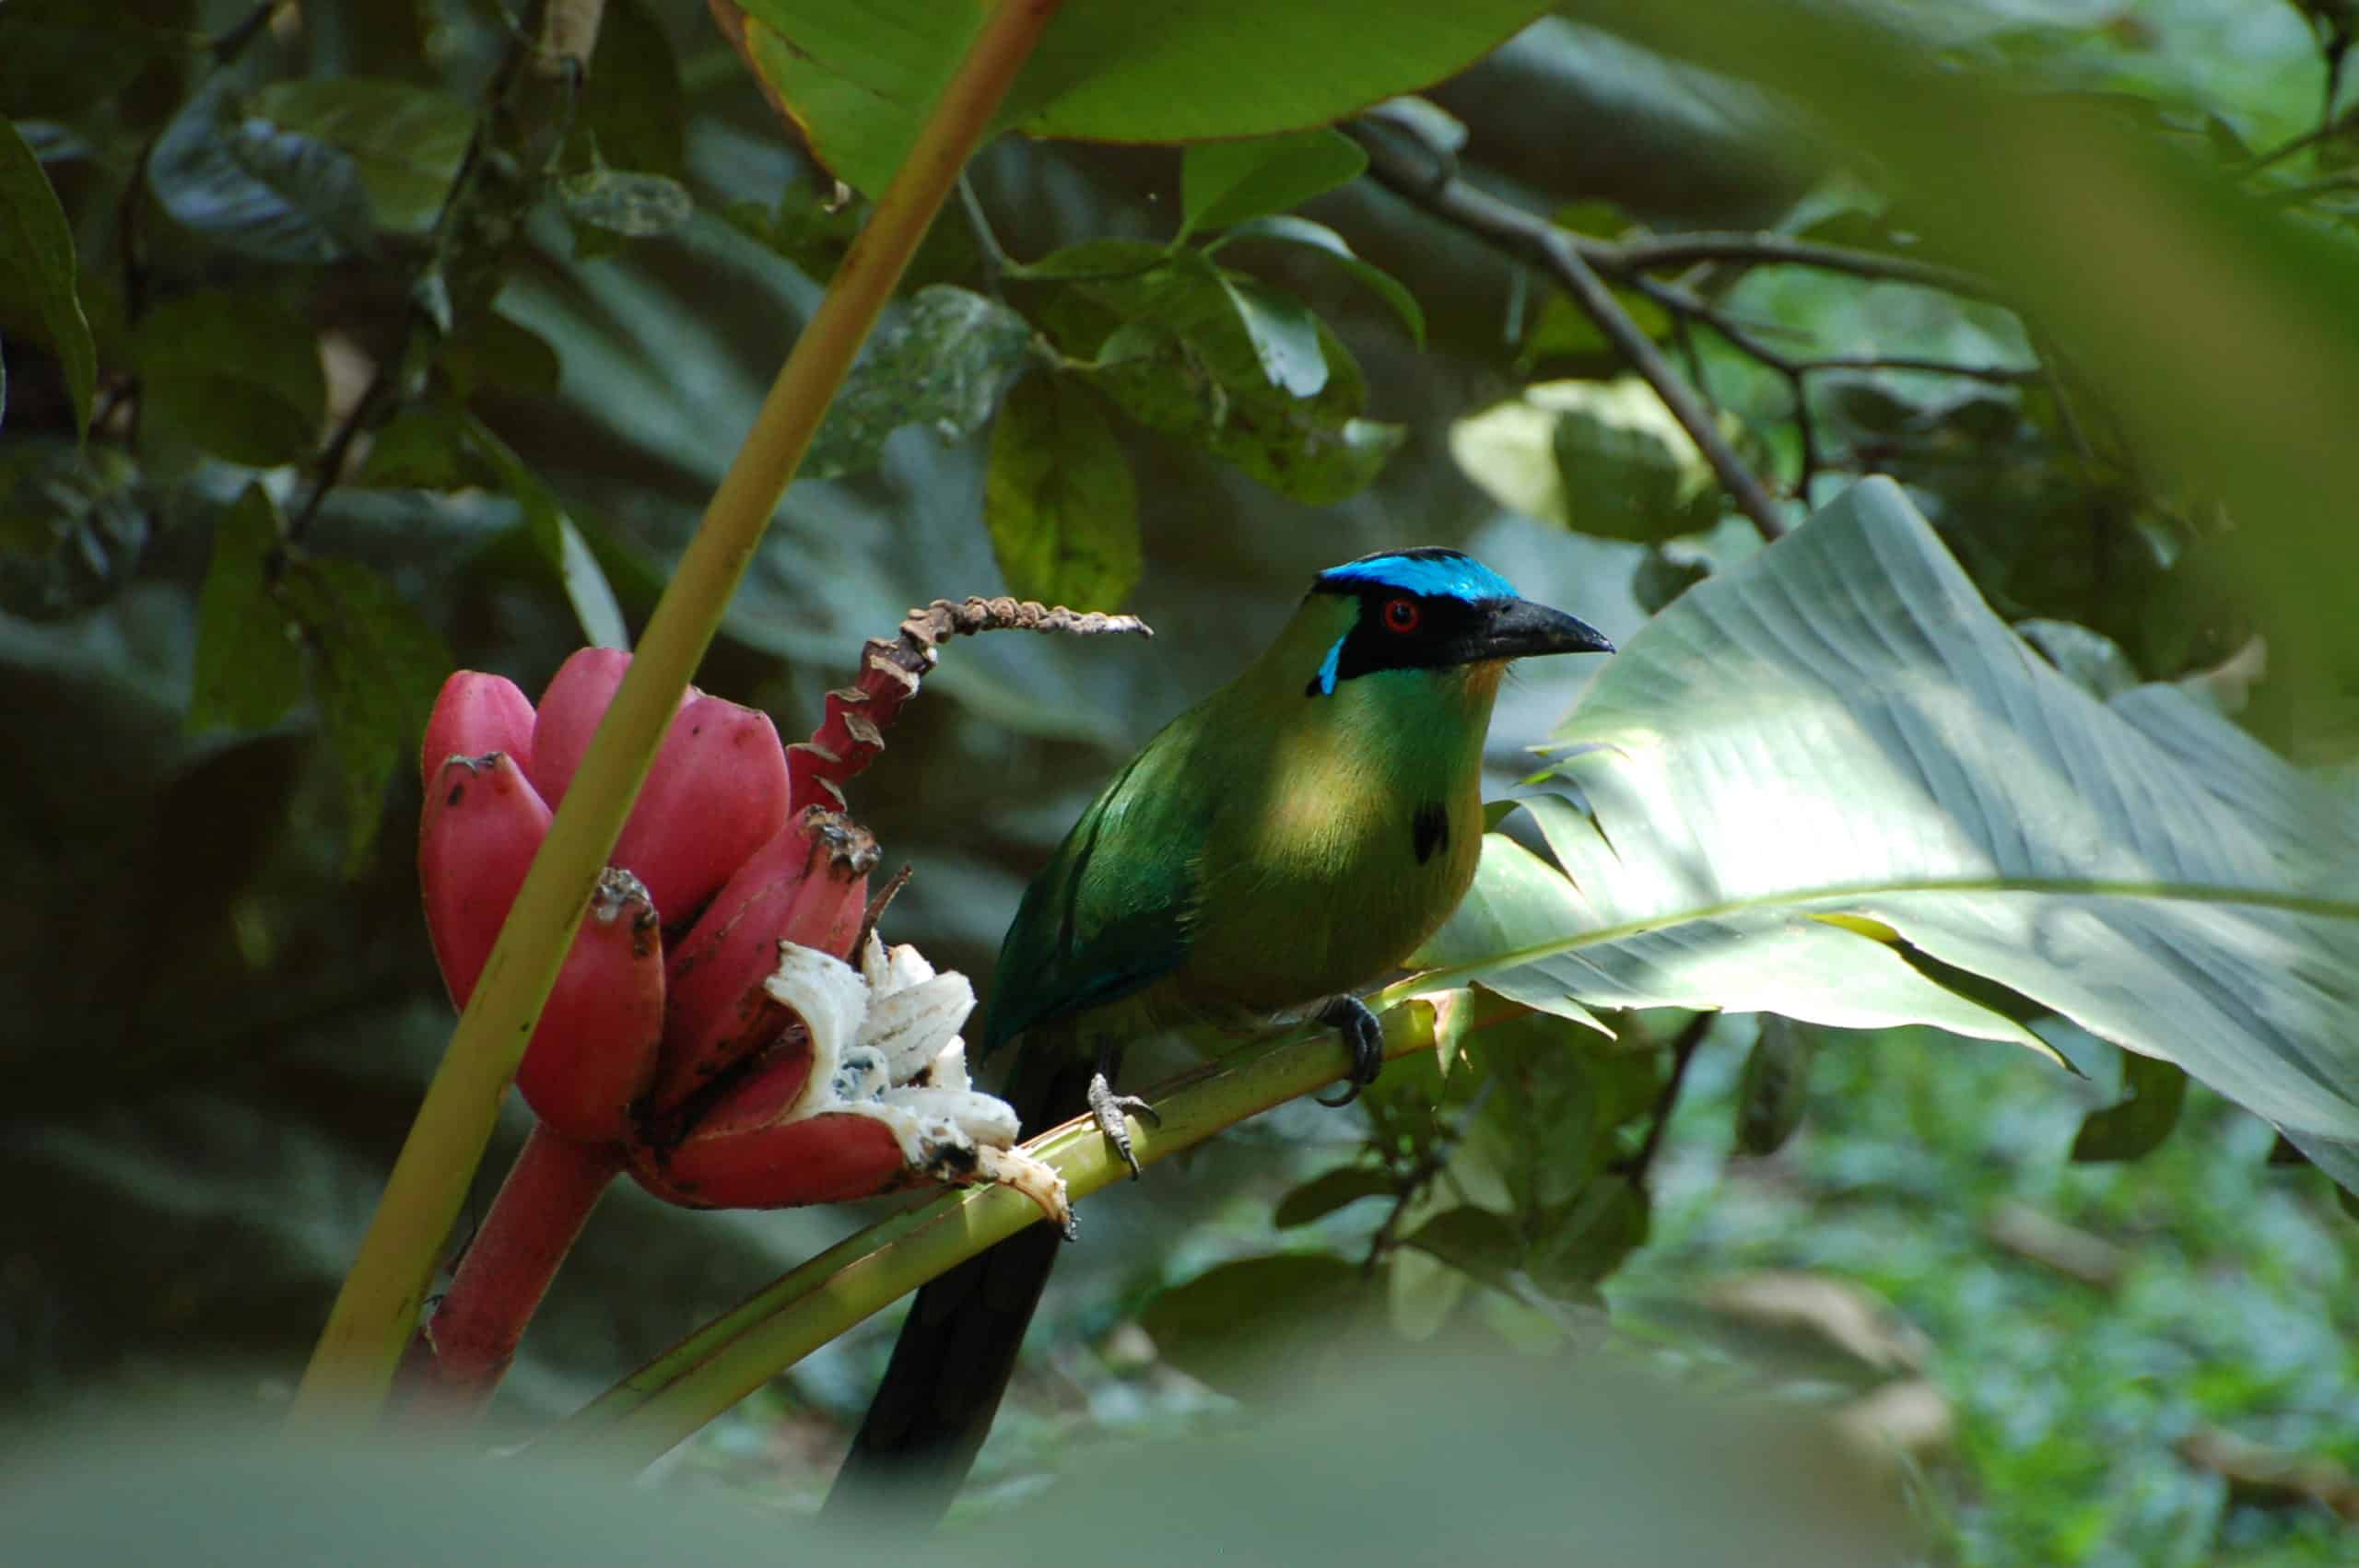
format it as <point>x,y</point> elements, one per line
<point>1512,228</point>
<point>2000,375</point>
<point>2326,130</point>
<point>1622,259</point>
<point>1683,1051</point>
<point>995,262</point>
<point>1807,429</point>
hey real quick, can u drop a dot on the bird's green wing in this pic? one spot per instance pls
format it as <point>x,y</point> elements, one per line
<point>1109,915</point>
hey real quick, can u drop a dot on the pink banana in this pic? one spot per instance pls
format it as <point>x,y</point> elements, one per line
<point>576,699</point>
<point>478,713</point>
<point>715,794</point>
<point>594,1051</point>
<point>595,1047</point>
<point>482,823</point>
<point>807,885</point>
<point>827,1159</point>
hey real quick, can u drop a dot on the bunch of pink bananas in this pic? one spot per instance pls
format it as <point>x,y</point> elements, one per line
<point>682,1029</point>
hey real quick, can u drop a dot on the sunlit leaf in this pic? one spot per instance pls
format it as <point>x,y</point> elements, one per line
<point>1602,457</point>
<point>1839,726</point>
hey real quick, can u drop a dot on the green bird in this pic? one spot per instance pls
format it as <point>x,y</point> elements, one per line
<point>1284,843</point>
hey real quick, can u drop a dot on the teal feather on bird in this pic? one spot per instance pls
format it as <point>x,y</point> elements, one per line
<point>1279,846</point>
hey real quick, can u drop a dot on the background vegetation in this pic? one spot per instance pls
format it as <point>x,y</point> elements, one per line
<point>485,423</point>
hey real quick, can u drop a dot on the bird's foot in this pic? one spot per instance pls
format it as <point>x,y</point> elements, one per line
<point>1108,1109</point>
<point>1365,1035</point>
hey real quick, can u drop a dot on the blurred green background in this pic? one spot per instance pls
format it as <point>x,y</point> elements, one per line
<point>222,1007</point>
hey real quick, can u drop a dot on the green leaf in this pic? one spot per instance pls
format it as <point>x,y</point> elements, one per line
<point>2152,1095</point>
<point>1283,333</point>
<point>1319,236</point>
<point>491,350</point>
<point>74,526</point>
<point>637,206</point>
<point>249,670</point>
<point>375,668</point>
<point>857,81</point>
<point>1227,183</point>
<point>405,142</point>
<point>632,104</point>
<point>804,228</point>
<point>1773,1089</point>
<point>2092,661</point>
<point>1586,1239</point>
<point>233,374</point>
<point>1184,362</point>
<point>1230,1327</point>
<point>61,58</point>
<point>1323,1195</point>
<point>255,188</point>
<point>37,270</point>
<point>1839,727</point>
<point>424,446</point>
<point>1604,458</point>
<point>944,364</point>
<point>1058,497</point>
<point>558,540</point>
<point>1473,1241</point>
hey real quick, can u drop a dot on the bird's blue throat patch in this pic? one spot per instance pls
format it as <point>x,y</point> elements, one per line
<point>1430,573</point>
<point>1326,680</point>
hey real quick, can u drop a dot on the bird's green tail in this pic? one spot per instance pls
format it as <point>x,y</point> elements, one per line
<point>952,1362</point>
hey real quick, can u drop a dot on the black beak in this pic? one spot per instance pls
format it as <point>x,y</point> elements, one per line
<point>1517,628</point>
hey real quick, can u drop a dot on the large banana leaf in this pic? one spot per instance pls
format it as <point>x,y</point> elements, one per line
<point>1816,770</point>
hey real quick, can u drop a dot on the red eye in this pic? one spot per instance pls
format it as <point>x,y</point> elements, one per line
<point>1401,614</point>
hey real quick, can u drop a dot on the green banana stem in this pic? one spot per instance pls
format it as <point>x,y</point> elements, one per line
<point>653,1409</point>
<point>377,1309</point>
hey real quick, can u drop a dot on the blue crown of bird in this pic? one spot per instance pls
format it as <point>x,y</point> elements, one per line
<point>1284,844</point>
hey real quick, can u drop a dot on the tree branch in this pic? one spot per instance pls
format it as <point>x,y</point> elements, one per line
<point>1436,188</point>
<point>1624,260</point>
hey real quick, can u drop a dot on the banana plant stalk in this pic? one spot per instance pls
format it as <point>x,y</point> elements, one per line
<point>655,1408</point>
<point>377,1309</point>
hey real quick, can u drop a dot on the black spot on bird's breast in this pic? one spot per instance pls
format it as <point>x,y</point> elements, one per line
<point>1429,830</point>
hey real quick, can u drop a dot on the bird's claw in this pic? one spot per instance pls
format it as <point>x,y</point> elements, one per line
<point>1109,1110</point>
<point>1364,1032</point>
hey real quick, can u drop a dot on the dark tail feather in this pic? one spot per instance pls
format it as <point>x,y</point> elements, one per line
<point>952,1362</point>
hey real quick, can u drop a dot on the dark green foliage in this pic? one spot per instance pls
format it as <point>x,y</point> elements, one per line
<point>257,188</point>
<point>37,270</point>
<point>2153,1093</point>
<point>353,419</point>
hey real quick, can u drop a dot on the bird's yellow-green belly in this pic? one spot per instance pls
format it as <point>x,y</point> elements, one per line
<point>1332,906</point>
